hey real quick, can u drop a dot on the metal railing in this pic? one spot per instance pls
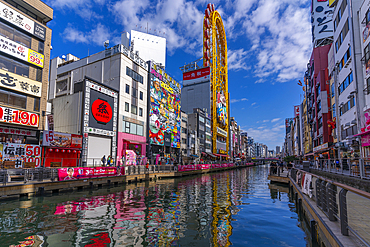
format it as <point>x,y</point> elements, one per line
<point>339,202</point>
<point>345,166</point>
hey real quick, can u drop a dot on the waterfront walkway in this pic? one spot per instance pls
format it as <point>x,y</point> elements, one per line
<point>50,183</point>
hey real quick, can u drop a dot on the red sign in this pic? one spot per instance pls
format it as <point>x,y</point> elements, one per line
<point>195,76</point>
<point>14,116</point>
<point>296,111</point>
<point>101,111</point>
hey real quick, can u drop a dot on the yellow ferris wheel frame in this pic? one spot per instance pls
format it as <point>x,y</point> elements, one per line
<point>219,72</point>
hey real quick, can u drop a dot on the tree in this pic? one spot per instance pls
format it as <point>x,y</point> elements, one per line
<point>290,158</point>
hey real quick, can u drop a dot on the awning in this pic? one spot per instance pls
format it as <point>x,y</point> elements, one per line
<point>134,141</point>
<point>309,154</point>
<point>211,154</point>
<point>363,133</point>
<point>222,155</point>
<point>192,155</point>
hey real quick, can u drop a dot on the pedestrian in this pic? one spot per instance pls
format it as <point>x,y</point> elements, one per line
<point>103,160</point>
<point>109,160</point>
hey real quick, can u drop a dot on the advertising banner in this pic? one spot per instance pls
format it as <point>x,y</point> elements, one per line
<point>296,111</point>
<point>21,52</point>
<point>164,114</point>
<point>216,166</point>
<point>22,21</point>
<point>63,140</point>
<point>183,168</point>
<point>365,33</point>
<point>288,124</point>
<point>20,83</point>
<point>9,115</point>
<point>24,152</point>
<point>196,76</point>
<point>203,166</point>
<point>13,131</point>
<point>321,21</point>
<point>72,173</point>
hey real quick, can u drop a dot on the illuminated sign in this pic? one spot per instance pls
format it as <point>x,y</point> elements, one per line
<point>21,52</point>
<point>21,21</point>
<point>10,115</point>
<point>25,152</point>
<point>20,83</point>
<point>196,76</point>
<point>164,114</point>
<point>101,111</point>
<point>296,111</point>
<point>221,132</point>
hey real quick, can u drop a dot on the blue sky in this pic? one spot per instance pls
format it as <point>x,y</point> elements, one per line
<point>269,44</point>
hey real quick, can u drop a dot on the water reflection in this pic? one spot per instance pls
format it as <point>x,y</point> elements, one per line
<point>230,208</point>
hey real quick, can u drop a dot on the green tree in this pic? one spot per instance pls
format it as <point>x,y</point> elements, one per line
<point>290,158</point>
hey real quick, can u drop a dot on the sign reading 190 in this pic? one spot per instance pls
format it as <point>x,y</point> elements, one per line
<point>14,116</point>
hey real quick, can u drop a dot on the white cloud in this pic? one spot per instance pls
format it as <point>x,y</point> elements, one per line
<point>271,136</point>
<point>236,59</point>
<point>265,121</point>
<point>253,103</point>
<point>96,36</point>
<point>81,7</point>
<point>280,33</point>
<point>238,100</point>
<point>275,120</point>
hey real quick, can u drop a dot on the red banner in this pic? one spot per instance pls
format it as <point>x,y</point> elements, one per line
<point>72,173</point>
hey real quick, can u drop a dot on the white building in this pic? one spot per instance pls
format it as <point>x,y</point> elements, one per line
<point>114,69</point>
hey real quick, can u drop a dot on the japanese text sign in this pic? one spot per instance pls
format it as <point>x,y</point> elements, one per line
<point>20,83</point>
<point>9,115</point>
<point>21,52</point>
<point>24,152</point>
<point>21,21</point>
<point>56,139</point>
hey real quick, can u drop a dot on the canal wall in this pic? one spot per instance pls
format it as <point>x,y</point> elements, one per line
<point>38,188</point>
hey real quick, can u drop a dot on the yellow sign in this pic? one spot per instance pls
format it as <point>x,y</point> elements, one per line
<point>167,87</point>
<point>331,2</point>
<point>35,58</point>
<point>19,83</point>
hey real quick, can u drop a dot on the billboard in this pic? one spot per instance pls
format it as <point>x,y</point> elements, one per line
<point>20,83</point>
<point>321,21</point>
<point>196,76</point>
<point>101,111</point>
<point>24,152</point>
<point>164,114</point>
<point>288,124</point>
<point>22,21</point>
<point>63,140</point>
<point>296,111</point>
<point>14,116</point>
<point>221,108</point>
<point>21,52</point>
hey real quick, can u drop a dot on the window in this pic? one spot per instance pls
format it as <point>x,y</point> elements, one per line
<point>334,112</point>
<point>332,90</point>
<point>39,74</point>
<point>134,109</point>
<point>61,86</point>
<point>41,47</point>
<point>320,122</point>
<point>14,66</point>
<point>345,83</point>
<point>132,128</point>
<point>11,98</point>
<point>134,75</point>
<point>341,10</point>
<point>141,95</point>
<point>201,119</point>
<point>140,112</point>
<point>344,59</point>
<point>134,92</point>
<point>183,140</point>
<point>183,130</point>
<point>127,106</point>
<point>36,104</point>
<point>14,35</point>
<point>342,36</point>
<point>127,89</point>
<point>319,106</point>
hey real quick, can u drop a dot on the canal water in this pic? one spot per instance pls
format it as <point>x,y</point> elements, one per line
<point>236,207</point>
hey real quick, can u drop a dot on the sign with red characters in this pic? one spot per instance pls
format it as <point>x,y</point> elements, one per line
<point>101,111</point>
<point>296,111</point>
<point>9,115</point>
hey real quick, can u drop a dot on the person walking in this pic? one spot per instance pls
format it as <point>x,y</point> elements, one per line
<point>103,160</point>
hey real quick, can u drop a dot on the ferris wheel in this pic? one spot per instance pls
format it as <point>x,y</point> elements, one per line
<point>215,57</point>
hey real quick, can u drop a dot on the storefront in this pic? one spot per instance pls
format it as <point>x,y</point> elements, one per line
<point>19,145</point>
<point>61,149</point>
<point>131,148</point>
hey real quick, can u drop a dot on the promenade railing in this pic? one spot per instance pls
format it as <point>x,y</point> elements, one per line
<point>339,202</point>
<point>345,166</point>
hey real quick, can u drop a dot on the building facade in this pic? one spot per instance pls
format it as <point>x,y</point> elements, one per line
<point>24,68</point>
